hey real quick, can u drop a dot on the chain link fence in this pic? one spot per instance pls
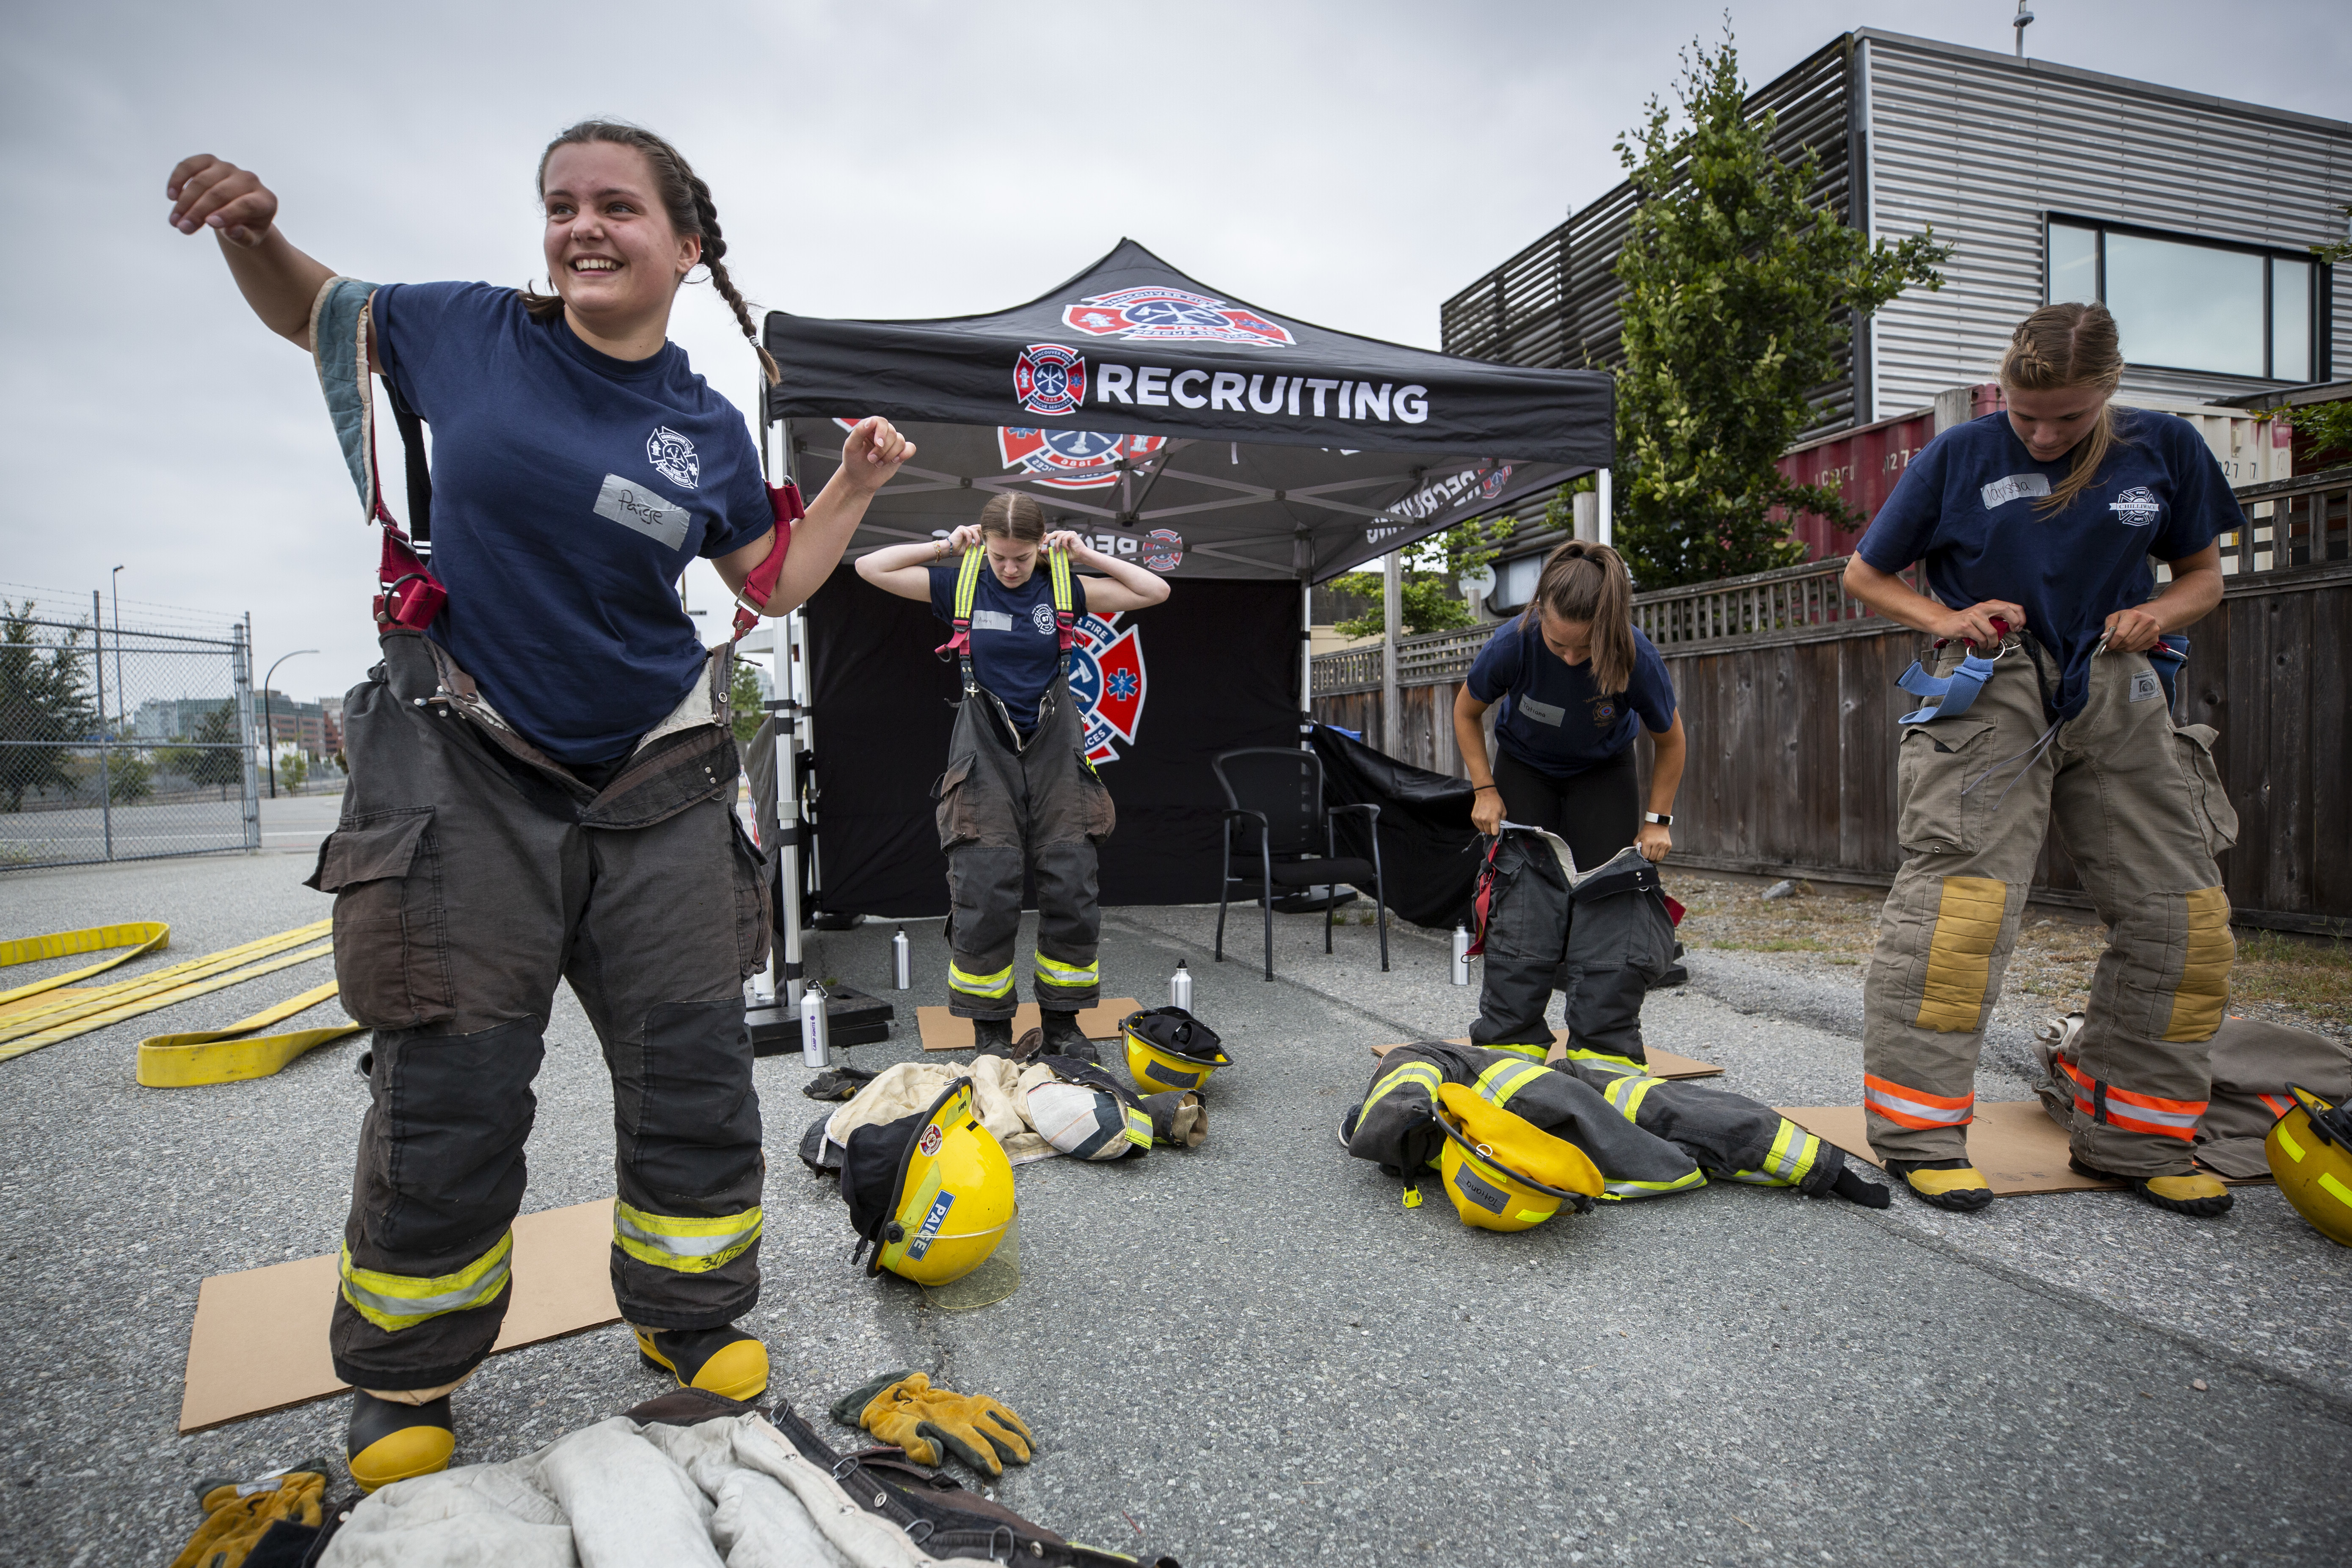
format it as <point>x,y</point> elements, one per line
<point>121,743</point>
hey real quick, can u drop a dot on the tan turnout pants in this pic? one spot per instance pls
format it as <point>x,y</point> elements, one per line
<point>2139,807</point>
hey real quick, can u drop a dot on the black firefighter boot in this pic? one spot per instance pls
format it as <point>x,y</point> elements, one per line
<point>993,1036</point>
<point>1064,1038</point>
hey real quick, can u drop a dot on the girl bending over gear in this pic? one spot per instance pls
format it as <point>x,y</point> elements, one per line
<point>2055,672</point>
<point>1572,675</point>
<point>542,777</point>
<point>1018,800</point>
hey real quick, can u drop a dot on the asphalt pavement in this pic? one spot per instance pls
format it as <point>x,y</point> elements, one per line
<point>1250,1353</point>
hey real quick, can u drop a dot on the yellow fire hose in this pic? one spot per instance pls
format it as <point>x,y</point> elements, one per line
<point>170,1062</point>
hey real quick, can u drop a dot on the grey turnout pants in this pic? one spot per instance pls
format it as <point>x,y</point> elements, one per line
<point>2138,806</point>
<point>470,873</point>
<point>1011,812</point>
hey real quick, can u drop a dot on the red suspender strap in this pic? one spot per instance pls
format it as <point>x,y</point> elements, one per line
<point>411,595</point>
<point>785,500</point>
<point>1483,903</point>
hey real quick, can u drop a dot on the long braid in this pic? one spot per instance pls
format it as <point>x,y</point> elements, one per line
<point>714,252</point>
<point>685,197</point>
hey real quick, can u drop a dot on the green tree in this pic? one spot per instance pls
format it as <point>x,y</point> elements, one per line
<point>214,753</point>
<point>1429,567</point>
<point>744,696</point>
<point>1739,294</point>
<point>2326,426</point>
<point>293,772</point>
<point>129,777</point>
<point>45,707</point>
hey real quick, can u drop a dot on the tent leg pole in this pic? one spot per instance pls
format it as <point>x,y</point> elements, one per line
<point>1391,612</point>
<point>1608,523</point>
<point>1306,665</point>
<point>783,984</point>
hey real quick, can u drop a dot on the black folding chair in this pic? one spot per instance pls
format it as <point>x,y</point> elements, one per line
<point>1280,791</point>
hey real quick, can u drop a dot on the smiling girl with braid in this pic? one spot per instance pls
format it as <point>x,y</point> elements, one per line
<point>543,779</point>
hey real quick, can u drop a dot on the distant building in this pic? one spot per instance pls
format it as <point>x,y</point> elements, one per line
<point>2191,216</point>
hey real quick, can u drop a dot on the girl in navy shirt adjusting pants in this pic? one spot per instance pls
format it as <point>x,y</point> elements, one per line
<point>543,778</point>
<point>2036,526</point>
<point>1573,677</point>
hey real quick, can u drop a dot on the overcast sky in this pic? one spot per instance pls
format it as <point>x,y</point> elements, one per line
<point>1352,165</point>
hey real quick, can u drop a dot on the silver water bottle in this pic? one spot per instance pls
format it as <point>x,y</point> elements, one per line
<point>902,960</point>
<point>1179,987</point>
<point>814,1051</point>
<point>1461,955</point>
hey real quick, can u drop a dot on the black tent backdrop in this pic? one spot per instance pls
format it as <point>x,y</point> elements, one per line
<point>1244,453</point>
<point>1133,399</point>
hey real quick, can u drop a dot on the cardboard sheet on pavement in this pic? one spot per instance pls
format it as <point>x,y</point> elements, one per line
<point>942,1031</point>
<point>1663,1064</point>
<point>261,1338</point>
<point>2013,1141</point>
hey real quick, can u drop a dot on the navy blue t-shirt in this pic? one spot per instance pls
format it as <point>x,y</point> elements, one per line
<point>1554,718</point>
<point>1965,506</point>
<point>570,489</point>
<point>1014,651</point>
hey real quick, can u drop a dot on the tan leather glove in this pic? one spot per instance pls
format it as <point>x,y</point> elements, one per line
<point>911,1414</point>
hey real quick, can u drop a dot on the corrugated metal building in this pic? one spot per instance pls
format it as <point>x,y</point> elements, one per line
<point>2191,216</point>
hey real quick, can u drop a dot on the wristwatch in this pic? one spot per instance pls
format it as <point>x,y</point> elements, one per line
<point>1663,818</point>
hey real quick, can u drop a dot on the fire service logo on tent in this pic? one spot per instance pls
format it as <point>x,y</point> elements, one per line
<point>1172,315</point>
<point>1072,459</point>
<point>1050,379</point>
<point>1107,679</point>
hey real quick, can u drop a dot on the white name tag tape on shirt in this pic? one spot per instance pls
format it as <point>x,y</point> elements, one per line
<point>632,506</point>
<point>990,621</point>
<point>2017,487</point>
<point>1542,713</point>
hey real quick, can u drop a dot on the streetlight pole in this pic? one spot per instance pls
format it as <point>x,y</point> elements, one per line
<point>121,712</point>
<point>268,730</point>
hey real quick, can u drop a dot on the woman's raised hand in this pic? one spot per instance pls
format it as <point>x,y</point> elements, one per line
<point>965,538</point>
<point>873,453</point>
<point>1070,542</point>
<point>211,192</point>
<point>1486,811</point>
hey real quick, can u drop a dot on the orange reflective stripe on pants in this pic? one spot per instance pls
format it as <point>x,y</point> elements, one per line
<point>1916,1107</point>
<point>2134,1112</point>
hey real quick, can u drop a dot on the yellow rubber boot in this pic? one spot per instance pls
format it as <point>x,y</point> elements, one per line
<point>2195,1194</point>
<point>1953,1185</point>
<point>726,1361</point>
<point>389,1442</point>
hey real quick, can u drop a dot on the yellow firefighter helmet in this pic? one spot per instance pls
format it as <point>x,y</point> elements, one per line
<point>1502,1171</point>
<point>931,1194</point>
<point>1169,1048</point>
<point>2311,1154</point>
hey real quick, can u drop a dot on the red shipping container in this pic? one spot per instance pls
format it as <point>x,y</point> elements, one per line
<point>1863,465</point>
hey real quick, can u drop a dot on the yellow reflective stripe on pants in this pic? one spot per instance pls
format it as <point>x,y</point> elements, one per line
<point>1603,1060</point>
<point>1498,1083</point>
<point>997,985</point>
<point>1139,1127</point>
<point>396,1301</point>
<point>689,1246</point>
<point>1791,1161</point>
<point>1533,1053</point>
<point>1626,1191</point>
<point>1055,972</point>
<point>1423,1073</point>
<point>1627,1093</point>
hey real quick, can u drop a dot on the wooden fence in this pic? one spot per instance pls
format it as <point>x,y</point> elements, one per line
<point>1786,688</point>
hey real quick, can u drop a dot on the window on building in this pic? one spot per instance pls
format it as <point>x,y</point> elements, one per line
<point>2190,304</point>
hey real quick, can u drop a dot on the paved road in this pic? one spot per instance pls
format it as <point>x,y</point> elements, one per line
<point>1250,1353</point>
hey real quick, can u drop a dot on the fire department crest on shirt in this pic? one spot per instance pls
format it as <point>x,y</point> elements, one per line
<point>672,457</point>
<point>2137,507</point>
<point>1155,314</point>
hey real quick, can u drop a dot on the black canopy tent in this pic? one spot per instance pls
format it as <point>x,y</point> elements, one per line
<point>1204,435</point>
<point>1133,398</point>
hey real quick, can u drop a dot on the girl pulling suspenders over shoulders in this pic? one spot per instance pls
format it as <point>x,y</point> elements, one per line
<point>542,777</point>
<point>1019,800</point>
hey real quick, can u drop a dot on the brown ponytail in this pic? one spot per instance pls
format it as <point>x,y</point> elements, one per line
<point>1582,581</point>
<point>2057,348</point>
<point>687,200</point>
<point>1008,515</point>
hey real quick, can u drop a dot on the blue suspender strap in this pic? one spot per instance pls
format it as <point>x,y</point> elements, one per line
<point>1958,691</point>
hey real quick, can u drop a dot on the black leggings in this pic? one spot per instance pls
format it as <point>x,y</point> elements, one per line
<point>1598,811</point>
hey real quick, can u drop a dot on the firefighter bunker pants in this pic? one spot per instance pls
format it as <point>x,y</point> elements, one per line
<point>1010,813</point>
<point>2139,807</point>
<point>1604,943</point>
<point>470,873</point>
